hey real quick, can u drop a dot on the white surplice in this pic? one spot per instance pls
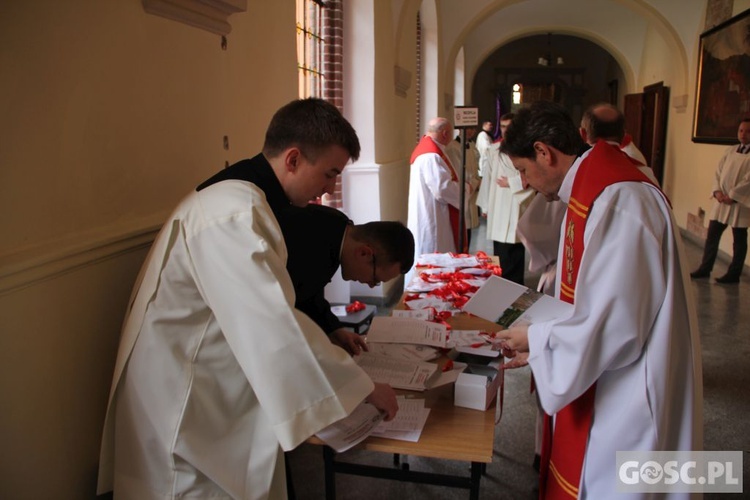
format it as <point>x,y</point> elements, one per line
<point>216,371</point>
<point>732,177</point>
<point>431,192</point>
<point>505,205</point>
<point>484,143</point>
<point>633,331</point>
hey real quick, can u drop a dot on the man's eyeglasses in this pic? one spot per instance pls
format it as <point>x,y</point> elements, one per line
<point>375,281</point>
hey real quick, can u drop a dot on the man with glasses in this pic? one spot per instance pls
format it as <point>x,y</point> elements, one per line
<point>217,373</point>
<point>320,239</point>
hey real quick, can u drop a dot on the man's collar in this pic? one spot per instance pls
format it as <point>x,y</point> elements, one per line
<point>567,184</point>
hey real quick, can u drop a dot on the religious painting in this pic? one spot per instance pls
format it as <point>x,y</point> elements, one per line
<point>722,96</point>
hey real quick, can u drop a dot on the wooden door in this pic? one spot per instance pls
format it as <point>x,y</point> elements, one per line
<point>646,121</point>
<point>657,108</point>
<point>633,117</point>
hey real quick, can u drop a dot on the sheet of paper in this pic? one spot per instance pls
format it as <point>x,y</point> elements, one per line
<point>407,352</point>
<point>406,331</point>
<point>353,429</point>
<point>408,416</point>
<point>438,303</point>
<point>409,422</point>
<point>339,311</point>
<point>472,342</point>
<point>458,338</point>
<point>508,304</point>
<point>493,298</point>
<point>545,308</point>
<point>397,373</point>
<point>423,314</point>
<point>418,285</point>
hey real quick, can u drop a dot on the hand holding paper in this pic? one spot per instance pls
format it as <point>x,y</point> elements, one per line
<point>384,399</point>
<point>513,340</point>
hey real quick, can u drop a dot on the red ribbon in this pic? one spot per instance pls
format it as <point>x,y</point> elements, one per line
<point>355,306</point>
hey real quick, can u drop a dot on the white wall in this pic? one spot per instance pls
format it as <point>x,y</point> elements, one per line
<point>109,116</point>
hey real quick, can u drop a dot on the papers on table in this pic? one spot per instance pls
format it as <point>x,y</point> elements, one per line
<point>353,429</point>
<point>398,373</point>
<point>423,314</point>
<point>366,420</point>
<point>435,302</point>
<point>507,303</point>
<point>407,352</point>
<point>339,311</point>
<point>446,260</point>
<point>407,331</point>
<point>409,421</point>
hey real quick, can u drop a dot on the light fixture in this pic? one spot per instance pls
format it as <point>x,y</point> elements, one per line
<point>547,59</point>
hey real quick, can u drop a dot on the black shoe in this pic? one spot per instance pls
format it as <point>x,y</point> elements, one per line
<point>699,274</point>
<point>728,280</point>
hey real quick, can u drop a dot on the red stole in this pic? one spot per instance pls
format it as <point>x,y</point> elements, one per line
<point>564,449</point>
<point>427,145</point>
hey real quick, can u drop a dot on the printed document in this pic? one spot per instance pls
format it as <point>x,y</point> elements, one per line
<point>398,373</point>
<point>407,331</point>
<point>508,303</point>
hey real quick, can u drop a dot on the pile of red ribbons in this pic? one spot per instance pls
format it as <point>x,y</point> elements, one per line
<point>456,289</point>
<point>355,306</point>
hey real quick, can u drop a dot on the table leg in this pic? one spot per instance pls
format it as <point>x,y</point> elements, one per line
<point>330,473</point>
<point>476,477</point>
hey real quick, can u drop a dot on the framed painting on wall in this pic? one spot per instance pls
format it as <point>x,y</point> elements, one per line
<point>722,96</point>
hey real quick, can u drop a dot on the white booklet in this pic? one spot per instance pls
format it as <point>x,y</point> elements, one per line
<point>508,303</point>
<point>353,429</point>
<point>407,331</point>
<point>367,420</point>
<point>398,373</point>
<point>409,422</point>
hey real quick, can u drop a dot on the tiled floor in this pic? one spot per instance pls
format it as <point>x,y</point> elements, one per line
<point>724,318</point>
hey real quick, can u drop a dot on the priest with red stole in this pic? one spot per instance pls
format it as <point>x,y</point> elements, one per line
<point>622,371</point>
<point>434,193</point>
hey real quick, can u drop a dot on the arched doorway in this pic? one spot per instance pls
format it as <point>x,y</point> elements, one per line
<point>566,69</point>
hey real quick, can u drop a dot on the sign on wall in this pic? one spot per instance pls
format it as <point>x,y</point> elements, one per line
<point>464,116</point>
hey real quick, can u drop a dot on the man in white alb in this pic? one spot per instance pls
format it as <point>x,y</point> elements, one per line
<point>434,193</point>
<point>622,371</point>
<point>731,193</point>
<point>217,373</point>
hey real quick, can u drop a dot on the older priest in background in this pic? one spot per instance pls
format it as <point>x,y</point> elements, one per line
<point>217,373</point>
<point>622,372</point>
<point>434,193</point>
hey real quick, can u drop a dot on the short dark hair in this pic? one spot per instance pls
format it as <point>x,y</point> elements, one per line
<point>392,239</point>
<point>598,128</point>
<point>545,122</point>
<point>507,116</point>
<point>311,125</point>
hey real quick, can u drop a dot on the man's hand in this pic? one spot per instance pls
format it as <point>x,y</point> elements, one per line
<point>384,399</point>
<point>513,340</point>
<point>721,197</point>
<point>502,181</point>
<point>348,341</point>
<point>520,359</point>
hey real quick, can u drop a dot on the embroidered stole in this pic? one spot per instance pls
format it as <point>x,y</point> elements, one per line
<point>564,449</point>
<point>427,145</point>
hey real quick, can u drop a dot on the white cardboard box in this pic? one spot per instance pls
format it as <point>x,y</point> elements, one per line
<point>477,386</point>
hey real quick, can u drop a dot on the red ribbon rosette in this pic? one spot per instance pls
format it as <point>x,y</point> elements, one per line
<point>355,306</point>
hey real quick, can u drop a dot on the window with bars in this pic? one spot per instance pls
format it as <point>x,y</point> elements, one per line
<point>310,47</point>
